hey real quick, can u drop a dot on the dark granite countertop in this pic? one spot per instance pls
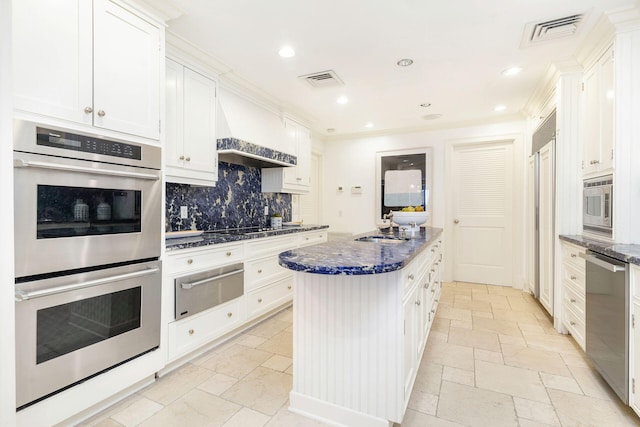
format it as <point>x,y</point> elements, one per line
<point>624,252</point>
<point>351,257</point>
<point>216,237</point>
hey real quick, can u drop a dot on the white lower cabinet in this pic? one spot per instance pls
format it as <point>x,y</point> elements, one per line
<point>267,287</point>
<point>634,340</point>
<point>573,291</point>
<point>193,332</point>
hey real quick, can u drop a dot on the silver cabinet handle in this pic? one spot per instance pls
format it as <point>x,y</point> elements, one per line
<point>298,179</point>
<point>289,287</point>
<point>572,323</point>
<point>191,332</point>
<point>410,277</point>
<point>19,163</point>
<point>228,253</point>
<point>456,221</point>
<point>418,303</point>
<point>188,159</point>
<point>101,113</point>
<point>181,157</point>
<point>573,255</point>
<point>259,271</point>
<point>229,314</point>
<point>259,300</point>
<point>572,300</point>
<point>189,261</point>
<point>23,296</point>
<point>88,110</point>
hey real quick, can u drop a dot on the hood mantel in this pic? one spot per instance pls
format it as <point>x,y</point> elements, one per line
<point>250,134</point>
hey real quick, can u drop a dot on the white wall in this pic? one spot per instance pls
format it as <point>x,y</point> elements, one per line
<point>7,358</point>
<point>352,162</point>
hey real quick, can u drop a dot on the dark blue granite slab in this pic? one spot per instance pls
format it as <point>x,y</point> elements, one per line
<point>216,237</point>
<point>624,252</point>
<point>236,201</point>
<point>247,147</point>
<point>351,257</point>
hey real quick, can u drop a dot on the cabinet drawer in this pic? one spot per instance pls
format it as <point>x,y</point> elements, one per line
<point>188,334</point>
<point>313,237</point>
<point>268,297</point>
<point>575,300</point>
<point>571,255</point>
<point>575,324</point>
<point>263,270</point>
<point>196,260</point>
<point>271,245</point>
<point>574,275</point>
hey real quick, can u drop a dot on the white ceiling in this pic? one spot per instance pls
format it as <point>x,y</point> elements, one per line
<point>459,49</point>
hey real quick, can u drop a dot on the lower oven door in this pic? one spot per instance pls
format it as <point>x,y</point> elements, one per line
<point>72,327</point>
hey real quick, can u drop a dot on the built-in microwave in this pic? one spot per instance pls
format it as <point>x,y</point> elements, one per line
<point>597,207</point>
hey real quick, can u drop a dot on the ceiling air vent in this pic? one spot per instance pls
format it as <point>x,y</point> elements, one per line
<point>323,79</point>
<point>538,32</point>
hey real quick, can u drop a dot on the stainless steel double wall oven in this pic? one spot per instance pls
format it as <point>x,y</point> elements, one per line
<point>87,246</point>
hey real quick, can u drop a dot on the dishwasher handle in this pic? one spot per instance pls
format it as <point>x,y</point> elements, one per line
<point>190,285</point>
<point>614,268</point>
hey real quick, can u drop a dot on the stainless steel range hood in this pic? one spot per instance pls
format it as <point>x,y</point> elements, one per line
<point>246,131</point>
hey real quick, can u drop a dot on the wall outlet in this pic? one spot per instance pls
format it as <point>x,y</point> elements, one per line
<point>266,210</point>
<point>184,212</point>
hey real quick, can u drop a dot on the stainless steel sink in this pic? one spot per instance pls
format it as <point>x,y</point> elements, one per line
<point>382,239</point>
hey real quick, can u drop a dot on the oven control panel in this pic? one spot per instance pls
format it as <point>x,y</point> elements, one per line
<point>87,144</point>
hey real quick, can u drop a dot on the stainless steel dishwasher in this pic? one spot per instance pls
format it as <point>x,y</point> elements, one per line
<point>201,291</point>
<point>607,320</point>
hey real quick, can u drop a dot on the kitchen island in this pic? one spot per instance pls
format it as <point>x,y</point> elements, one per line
<point>363,309</point>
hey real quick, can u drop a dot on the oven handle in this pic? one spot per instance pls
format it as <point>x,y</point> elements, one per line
<point>614,268</point>
<point>20,163</point>
<point>23,296</point>
<point>209,279</point>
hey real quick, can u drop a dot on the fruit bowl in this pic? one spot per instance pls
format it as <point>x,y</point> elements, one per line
<point>414,219</point>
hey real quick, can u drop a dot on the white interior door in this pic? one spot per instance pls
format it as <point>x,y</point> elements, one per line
<point>482,213</point>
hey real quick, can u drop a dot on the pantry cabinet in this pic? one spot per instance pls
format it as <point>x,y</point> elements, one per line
<point>91,63</point>
<point>598,107</point>
<point>190,145</point>
<point>297,179</point>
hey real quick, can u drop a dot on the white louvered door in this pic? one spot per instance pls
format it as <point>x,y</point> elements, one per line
<point>482,212</point>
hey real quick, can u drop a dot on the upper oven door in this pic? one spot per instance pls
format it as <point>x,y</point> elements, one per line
<point>596,206</point>
<point>74,214</point>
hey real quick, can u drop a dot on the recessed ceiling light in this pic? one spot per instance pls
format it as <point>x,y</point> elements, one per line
<point>342,100</point>
<point>500,108</point>
<point>369,125</point>
<point>511,71</point>
<point>286,52</point>
<point>426,105</point>
<point>432,116</point>
<point>405,62</point>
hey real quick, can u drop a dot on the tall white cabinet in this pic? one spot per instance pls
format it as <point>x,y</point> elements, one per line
<point>190,146</point>
<point>546,215</point>
<point>88,62</point>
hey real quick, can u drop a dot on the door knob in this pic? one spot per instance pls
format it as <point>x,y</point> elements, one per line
<point>456,221</point>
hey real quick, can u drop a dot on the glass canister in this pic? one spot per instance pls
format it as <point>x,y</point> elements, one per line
<point>80,211</point>
<point>103,211</point>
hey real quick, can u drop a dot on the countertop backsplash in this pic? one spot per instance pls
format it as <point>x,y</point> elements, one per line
<point>235,201</point>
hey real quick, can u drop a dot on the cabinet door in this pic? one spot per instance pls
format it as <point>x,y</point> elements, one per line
<point>174,113</point>
<point>199,122</point>
<point>126,77</point>
<point>546,216</point>
<point>410,342</point>
<point>290,173</point>
<point>606,111</point>
<point>591,147</point>
<point>303,168</point>
<point>52,62</point>
<point>634,399</point>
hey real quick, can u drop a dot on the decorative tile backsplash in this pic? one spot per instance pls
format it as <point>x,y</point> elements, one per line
<point>235,201</point>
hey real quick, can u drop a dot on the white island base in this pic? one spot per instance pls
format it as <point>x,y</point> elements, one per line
<point>358,341</point>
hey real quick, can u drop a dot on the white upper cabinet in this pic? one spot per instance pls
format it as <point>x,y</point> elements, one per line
<point>190,151</point>
<point>598,87</point>
<point>93,63</point>
<point>297,179</point>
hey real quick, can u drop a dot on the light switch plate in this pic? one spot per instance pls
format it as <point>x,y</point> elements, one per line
<point>184,213</point>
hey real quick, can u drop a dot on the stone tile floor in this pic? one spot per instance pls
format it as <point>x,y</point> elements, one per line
<point>492,359</point>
